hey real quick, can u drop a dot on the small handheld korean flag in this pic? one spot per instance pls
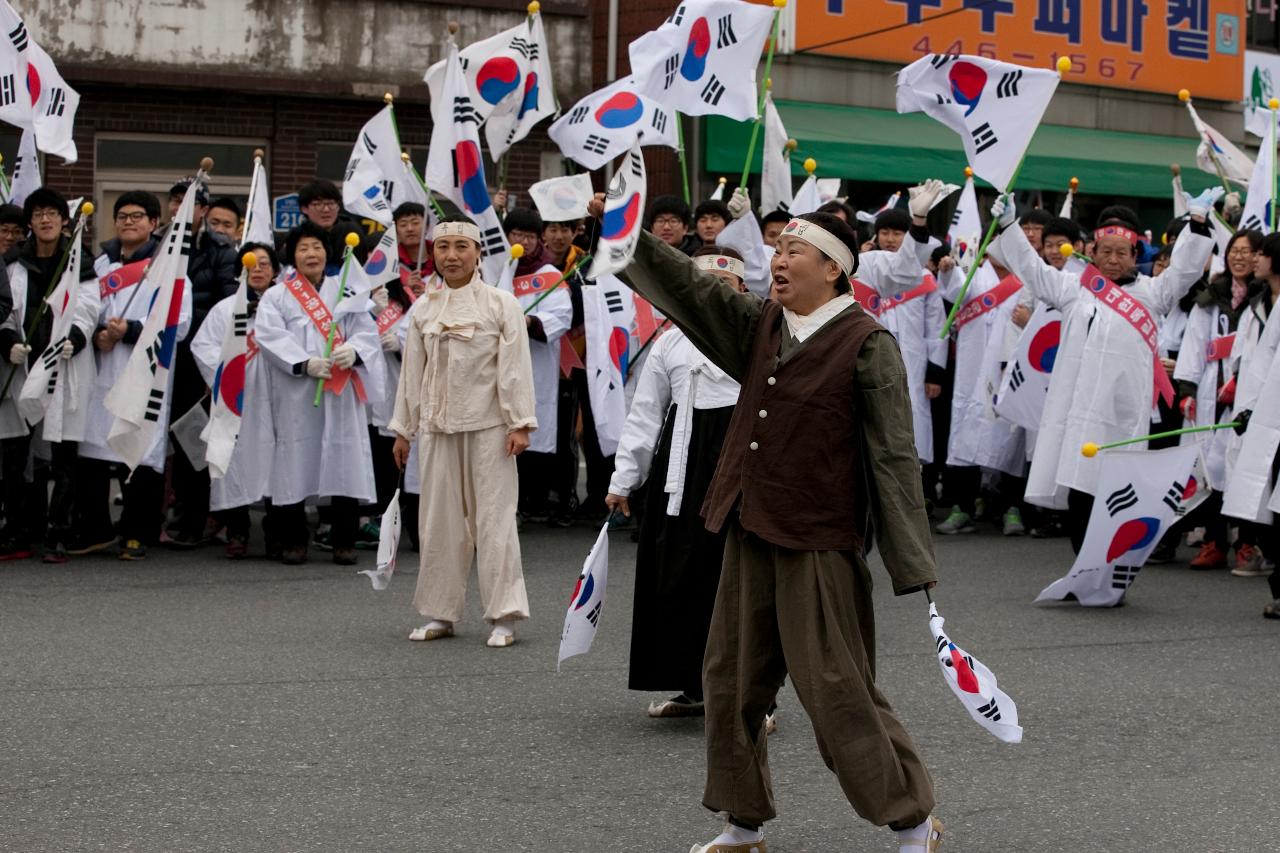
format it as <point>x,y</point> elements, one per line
<point>702,60</point>
<point>623,211</point>
<point>137,399</point>
<point>562,199</point>
<point>366,188</point>
<point>966,227</point>
<point>257,217</point>
<point>606,123</point>
<point>1215,155</point>
<point>775,174</point>
<point>974,685</point>
<point>26,170</point>
<point>994,106</point>
<point>1140,493</point>
<point>388,546</point>
<point>587,601</point>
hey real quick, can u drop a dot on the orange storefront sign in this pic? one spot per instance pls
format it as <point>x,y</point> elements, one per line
<point>1153,45</point>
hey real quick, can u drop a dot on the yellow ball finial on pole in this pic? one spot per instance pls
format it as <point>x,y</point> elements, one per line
<point>1067,250</point>
<point>87,208</point>
<point>968,172</point>
<point>810,165</point>
<point>779,4</point>
<point>791,145</point>
<point>1184,95</point>
<point>1075,182</point>
<point>206,164</point>
<point>453,28</point>
<point>1064,64</point>
<point>1273,104</point>
<point>404,156</point>
<point>259,154</point>
<point>534,7</point>
<point>1090,449</point>
<point>249,260</point>
<point>388,98</point>
<point>352,239</point>
<point>517,251</point>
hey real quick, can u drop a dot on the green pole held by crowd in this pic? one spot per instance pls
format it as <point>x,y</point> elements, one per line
<point>579,264</point>
<point>352,242</point>
<point>684,163</point>
<point>1090,449</point>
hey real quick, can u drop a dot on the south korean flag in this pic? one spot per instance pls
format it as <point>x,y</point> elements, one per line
<point>32,92</point>
<point>974,685</point>
<point>702,60</point>
<point>994,106</point>
<point>623,213</point>
<point>607,123</point>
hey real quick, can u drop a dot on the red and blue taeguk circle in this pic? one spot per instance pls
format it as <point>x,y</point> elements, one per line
<point>497,78</point>
<point>1134,535</point>
<point>621,109</point>
<point>694,63</point>
<point>1043,350</point>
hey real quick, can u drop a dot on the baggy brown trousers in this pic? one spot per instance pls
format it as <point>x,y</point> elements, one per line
<point>809,614</point>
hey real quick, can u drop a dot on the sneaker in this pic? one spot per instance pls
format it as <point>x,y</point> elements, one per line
<point>957,522</point>
<point>1210,557</point>
<point>345,556</point>
<point>369,534</point>
<point>1272,610</point>
<point>1249,563</point>
<point>15,551</point>
<point>132,550</point>
<point>1013,522</point>
<point>561,520</point>
<point>237,548</point>
<point>81,547</point>
<point>321,539</point>
<point>677,706</point>
<point>55,553</point>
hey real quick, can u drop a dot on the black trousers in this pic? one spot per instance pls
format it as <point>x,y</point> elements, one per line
<point>289,523</point>
<point>190,487</point>
<point>536,471</point>
<point>22,524</point>
<point>386,477</point>
<point>1079,508</point>
<point>574,399</point>
<point>143,511</point>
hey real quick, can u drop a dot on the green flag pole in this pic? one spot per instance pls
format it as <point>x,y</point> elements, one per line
<point>352,241</point>
<point>768,84</point>
<point>684,163</point>
<point>581,262</point>
<point>1091,450</point>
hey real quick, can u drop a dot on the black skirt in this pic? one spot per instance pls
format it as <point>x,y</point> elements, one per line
<point>677,564</point>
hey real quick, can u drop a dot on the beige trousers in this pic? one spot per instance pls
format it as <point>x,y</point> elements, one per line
<point>809,614</point>
<point>467,511</point>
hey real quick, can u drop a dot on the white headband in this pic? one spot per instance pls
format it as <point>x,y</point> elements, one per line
<point>823,240</point>
<point>456,229</point>
<point>721,263</point>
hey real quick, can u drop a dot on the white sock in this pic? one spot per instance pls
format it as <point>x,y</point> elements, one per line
<point>502,629</point>
<point>438,625</point>
<point>734,834</point>
<point>919,833</point>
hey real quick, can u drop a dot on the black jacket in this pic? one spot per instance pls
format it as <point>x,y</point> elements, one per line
<point>212,273</point>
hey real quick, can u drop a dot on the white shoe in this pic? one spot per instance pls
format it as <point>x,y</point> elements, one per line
<point>433,630</point>
<point>673,707</point>
<point>930,843</point>
<point>731,841</point>
<point>501,636</point>
<point>770,723</point>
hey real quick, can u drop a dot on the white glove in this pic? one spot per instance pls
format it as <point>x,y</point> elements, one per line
<point>68,350</point>
<point>319,368</point>
<point>923,197</point>
<point>18,354</point>
<point>1231,205</point>
<point>739,203</point>
<point>390,341</point>
<point>344,356</point>
<point>1004,211</point>
<point>1200,206</point>
<point>380,298</point>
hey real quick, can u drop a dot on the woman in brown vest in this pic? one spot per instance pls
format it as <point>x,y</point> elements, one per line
<point>820,455</point>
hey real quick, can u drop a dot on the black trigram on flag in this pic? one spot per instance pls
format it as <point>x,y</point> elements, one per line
<point>595,144</point>
<point>351,169</point>
<point>1122,577</point>
<point>1173,498</point>
<point>637,166</point>
<point>491,241</point>
<point>18,35</point>
<point>1121,499</point>
<point>594,616</point>
<point>579,114</point>
<point>712,92</point>
<point>725,28</point>
<point>1008,85</point>
<point>955,217</point>
<point>991,711</point>
<point>659,121</point>
<point>613,299</point>
<point>8,93</point>
<point>938,60</point>
<point>943,100</point>
<point>240,324</point>
<point>154,402</point>
<point>677,17</point>
<point>1015,376</point>
<point>388,189</point>
<point>57,101</point>
<point>184,249</point>
<point>369,144</point>
<point>524,47</point>
<point>983,138</point>
<point>669,69</point>
<point>53,381</point>
<point>463,112</point>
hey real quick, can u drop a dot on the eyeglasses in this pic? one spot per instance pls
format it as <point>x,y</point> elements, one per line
<point>131,216</point>
<point>324,204</point>
<point>1240,253</point>
<point>45,213</point>
<point>671,221</point>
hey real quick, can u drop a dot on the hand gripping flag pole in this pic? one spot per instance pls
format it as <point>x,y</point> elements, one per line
<point>352,241</point>
<point>778,5</point>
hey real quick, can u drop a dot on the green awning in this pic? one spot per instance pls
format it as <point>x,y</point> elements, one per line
<point>858,143</point>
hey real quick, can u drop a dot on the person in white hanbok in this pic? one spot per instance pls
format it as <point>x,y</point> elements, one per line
<point>120,321</point>
<point>321,452</point>
<point>466,394</point>
<point>50,421</point>
<point>248,476</point>
<point>672,437</point>
<point>1103,380</point>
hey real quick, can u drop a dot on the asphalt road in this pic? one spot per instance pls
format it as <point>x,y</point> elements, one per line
<point>191,704</point>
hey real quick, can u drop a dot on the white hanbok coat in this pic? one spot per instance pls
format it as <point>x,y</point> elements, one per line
<point>1102,382</point>
<point>1251,493</point>
<point>132,303</point>
<point>916,325</point>
<point>319,451</point>
<point>978,437</point>
<point>248,475</point>
<point>1203,325</point>
<point>555,313</point>
<point>69,406</point>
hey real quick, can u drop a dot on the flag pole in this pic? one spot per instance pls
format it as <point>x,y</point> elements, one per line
<point>684,163</point>
<point>564,276</point>
<point>1273,104</point>
<point>1185,96</point>
<point>1090,449</point>
<point>352,241</point>
<point>258,155</point>
<point>778,6</point>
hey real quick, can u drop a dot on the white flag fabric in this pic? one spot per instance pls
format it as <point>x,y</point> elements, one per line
<point>621,224</point>
<point>966,225</point>
<point>807,198</point>
<point>607,123</point>
<point>829,188</point>
<point>48,380</point>
<point>226,405</point>
<point>562,199</point>
<point>975,685</point>
<point>587,601</point>
<point>994,106</point>
<point>890,204</point>
<point>1179,200</point>
<point>609,312</point>
<point>26,170</point>
<point>775,162</point>
<point>508,78</point>
<point>137,399</point>
<point>1258,201</point>
<point>455,165</point>
<point>32,92</point>
<point>373,169</point>
<point>702,60</point>
<point>383,263</point>
<point>259,225</point>
<point>718,193</point>
<point>388,546</point>
<point>1140,493</point>
<point>1216,151</point>
<point>1065,211</point>
<point>1024,386</point>
<point>744,235</point>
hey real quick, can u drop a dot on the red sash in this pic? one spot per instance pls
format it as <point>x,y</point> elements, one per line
<point>876,306</point>
<point>535,284</point>
<point>388,318</point>
<point>303,291</point>
<point>251,348</point>
<point>992,299</point>
<point>1113,296</point>
<point>122,278</point>
<point>1219,348</point>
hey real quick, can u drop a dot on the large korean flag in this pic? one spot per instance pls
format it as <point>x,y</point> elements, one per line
<point>32,92</point>
<point>608,122</point>
<point>609,312</point>
<point>1140,493</point>
<point>994,106</point>
<point>1024,386</point>
<point>623,211</point>
<point>702,60</point>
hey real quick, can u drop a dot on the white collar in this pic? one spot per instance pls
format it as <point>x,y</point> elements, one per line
<point>802,326</point>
